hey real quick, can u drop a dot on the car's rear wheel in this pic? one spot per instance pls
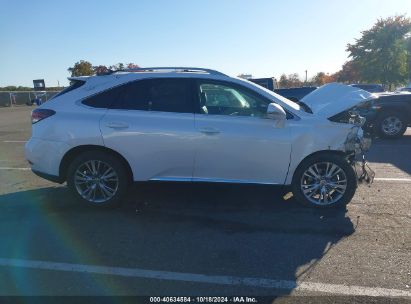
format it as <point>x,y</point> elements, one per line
<point>392,125</point>
<point>98,178</point>
<point>324,180</point>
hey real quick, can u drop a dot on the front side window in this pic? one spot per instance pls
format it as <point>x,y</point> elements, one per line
<point>224,99</point>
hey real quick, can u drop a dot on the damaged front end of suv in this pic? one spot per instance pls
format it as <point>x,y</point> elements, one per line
<point>348,103</point>
<point>356,145</point>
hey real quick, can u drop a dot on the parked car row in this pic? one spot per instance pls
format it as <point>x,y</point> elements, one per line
<point>387,116</point>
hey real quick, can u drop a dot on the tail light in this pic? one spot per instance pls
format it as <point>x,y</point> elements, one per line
<point>40,114</point>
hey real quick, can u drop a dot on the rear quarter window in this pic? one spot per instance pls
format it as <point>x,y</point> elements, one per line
<point>130,96</point>
<point>73,86</point>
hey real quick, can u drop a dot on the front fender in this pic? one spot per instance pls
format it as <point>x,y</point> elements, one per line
<point>313,137</point>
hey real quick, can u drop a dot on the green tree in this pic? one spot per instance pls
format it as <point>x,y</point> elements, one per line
<point>290,81</point>
<point>116,67</point>
<point>294,80</point>
<point>348,74</point>
<point>321,78</point>
<point>100,69</point>
<point>409,57</point>
<point>132,66</point>
<point>381,54</point>
<point>283,82</point>
<point>85,68</point>
<point>81,68</point>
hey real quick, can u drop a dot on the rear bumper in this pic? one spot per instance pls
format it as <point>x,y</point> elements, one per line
<point>49,177</point>
<point>45,157</point>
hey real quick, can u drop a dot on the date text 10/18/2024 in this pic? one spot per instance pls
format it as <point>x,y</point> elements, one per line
<point>203,300</point>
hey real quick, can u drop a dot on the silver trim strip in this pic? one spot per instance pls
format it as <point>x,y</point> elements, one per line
<point>210,180</point>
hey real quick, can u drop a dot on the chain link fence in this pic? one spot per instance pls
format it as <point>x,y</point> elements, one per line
<point>16,98</point>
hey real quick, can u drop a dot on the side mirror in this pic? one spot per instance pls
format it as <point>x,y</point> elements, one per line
<point>277,113</point>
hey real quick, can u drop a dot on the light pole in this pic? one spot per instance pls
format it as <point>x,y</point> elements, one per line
<point>305,76</point>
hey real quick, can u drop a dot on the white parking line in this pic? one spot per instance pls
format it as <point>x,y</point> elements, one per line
<point>209,279</point>
<point>393,179</point>
<point>11,168</point>
<point>15,141</point>
<point>392,146</point>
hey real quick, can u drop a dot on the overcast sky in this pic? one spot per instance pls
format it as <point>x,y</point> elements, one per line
<point>41,39</point>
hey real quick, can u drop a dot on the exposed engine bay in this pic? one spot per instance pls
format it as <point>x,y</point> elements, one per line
<point>356,145</point>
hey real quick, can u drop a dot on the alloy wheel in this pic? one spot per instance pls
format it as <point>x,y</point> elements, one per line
<point>323,183</point>
<point>96,181</point>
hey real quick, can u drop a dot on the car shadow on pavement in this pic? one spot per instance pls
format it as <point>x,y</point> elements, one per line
<point>210,229</point>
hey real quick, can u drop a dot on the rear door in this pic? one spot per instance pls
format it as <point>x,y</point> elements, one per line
<point>151,123</point>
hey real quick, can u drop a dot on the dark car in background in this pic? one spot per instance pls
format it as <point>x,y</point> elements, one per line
<point>402,90</point>
<point>389,115</point>
<point>295,94</point>
<point>372,88</point>
<point>268,83</point>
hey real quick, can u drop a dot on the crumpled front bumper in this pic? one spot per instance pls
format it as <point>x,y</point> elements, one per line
<point>364,172</point>
<point>356,145</point>
<point>357,142</point>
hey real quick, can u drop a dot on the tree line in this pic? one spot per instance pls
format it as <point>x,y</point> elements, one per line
<point>381,55</point>
<point>85,68</point>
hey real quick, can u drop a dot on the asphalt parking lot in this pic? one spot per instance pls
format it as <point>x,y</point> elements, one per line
<point>204,239</point>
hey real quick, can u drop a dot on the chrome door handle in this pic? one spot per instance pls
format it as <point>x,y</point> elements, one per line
<point>117,125</point>
<point>209,131</point>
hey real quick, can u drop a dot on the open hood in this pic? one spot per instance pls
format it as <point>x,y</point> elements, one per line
<point>333,98</point>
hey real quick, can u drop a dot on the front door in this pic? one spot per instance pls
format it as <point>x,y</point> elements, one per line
<point>236,142</point>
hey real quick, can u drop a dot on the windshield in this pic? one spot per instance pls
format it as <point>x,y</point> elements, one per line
<point>284,100</point>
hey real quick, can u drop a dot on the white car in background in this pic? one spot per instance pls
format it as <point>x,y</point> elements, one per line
<point>192,124</point>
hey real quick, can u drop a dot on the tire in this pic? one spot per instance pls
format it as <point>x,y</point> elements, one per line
<point>391,125</point>
<point>107,187</point>
<point>334,196</point>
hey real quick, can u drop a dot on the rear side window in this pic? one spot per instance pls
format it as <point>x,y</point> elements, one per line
<point>170,95</point>
<point>106,98</point>
<point>166,95</point>
<point>132,96</point>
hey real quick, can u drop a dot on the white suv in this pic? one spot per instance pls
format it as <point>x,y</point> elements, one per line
<point>189,124</point>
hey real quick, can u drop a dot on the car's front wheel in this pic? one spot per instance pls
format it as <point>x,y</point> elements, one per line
<point>324,180</point>
<point>98,178</point>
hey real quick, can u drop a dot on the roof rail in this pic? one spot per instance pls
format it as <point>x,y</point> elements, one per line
<point>172,69</point>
